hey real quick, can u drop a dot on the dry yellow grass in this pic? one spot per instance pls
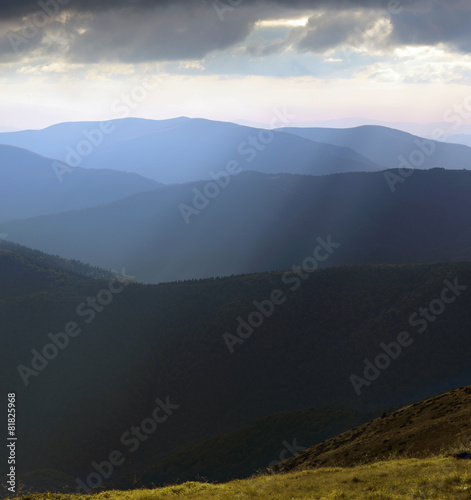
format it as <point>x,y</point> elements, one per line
<point>432,478</point>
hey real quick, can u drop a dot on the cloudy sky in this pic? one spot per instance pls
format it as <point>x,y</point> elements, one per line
<point>392,60</point>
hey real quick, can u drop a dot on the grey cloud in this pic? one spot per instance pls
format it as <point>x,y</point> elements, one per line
<point>16,43</point>
<point>147,30</point>
<point>261,48</point>
<point>439,23</point>
<point>417,23</point>
<point>331,30</point>
<point>168,33</point>
<point>19,8</point>
<point>156,30</point>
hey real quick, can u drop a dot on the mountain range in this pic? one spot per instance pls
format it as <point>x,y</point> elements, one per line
<point>184,149</point>
<point>190,149</point>
<point>187,298</point>
<point>391,148</point>
<point>263,223</point>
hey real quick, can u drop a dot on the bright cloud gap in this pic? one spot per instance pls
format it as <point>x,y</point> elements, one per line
<point>275,23</point>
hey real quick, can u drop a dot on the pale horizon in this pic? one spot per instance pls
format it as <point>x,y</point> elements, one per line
<point>424,129</point>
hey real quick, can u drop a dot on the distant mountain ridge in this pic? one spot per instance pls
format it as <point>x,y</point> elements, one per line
<point>32,185</point>
<point>189,149</point>
<point>184,149</point>
<point>389,147</point>
<point>194,148</point>
<point>263,222</point>
<point>53,141</point>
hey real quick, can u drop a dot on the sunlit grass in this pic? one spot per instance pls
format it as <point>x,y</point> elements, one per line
<point>432,478</point>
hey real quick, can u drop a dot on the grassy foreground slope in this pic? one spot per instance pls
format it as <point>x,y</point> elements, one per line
<point>248,450</point>
<point>433,478</point>
<point>435,431</point>
<point>419,430</point>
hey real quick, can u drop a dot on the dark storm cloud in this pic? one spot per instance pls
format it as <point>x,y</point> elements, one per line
<point>260,48</point>
<point>440,23</point>
<point>153,30</point>
<point>413,23</point>
<point>23,7</point>
<point>331,30</point>
<point>172,32</point>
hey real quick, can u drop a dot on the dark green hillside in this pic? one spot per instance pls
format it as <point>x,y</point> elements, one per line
<point>166,342</point>
<point>48,263</point>
<point>24,271</point>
